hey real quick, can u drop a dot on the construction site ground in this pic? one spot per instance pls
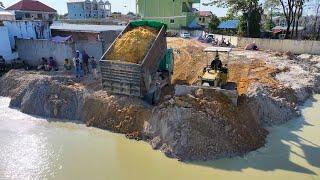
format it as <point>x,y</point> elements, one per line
<point>201,125</point>
<point>190,59</point>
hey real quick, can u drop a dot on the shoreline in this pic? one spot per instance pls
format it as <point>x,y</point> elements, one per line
<point>187,128</point>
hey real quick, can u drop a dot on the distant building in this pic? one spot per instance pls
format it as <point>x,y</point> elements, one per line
<point>229,25</point>
<point>7,15</point>
<point>86,9</point>
<point>176,14</point>
<point>35,29</point>
<point>205,18</point>
<point>1,6</point>
<point>5,48</point>
<point>33,10</point>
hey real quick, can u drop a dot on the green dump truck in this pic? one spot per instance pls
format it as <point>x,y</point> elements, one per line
<point>144,80</point>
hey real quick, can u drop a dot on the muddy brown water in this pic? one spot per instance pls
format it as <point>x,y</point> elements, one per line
<point>34,148</point>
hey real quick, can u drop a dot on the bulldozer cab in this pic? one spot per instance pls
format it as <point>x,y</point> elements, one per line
<point>213,76</point>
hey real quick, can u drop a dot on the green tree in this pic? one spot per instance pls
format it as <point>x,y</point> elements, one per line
<point>214,23</point>
<point>250,10</point>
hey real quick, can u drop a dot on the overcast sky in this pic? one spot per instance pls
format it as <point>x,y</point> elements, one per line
<point>117,5</point>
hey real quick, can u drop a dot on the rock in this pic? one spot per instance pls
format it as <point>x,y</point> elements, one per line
<point>156,142</point>
<point>167,150</point>
<point>182,103</point>
<point>167,97</point>
<point>199,93</point>
<point>191,96</point>
<point>172,101</point>
<point>228,128</point>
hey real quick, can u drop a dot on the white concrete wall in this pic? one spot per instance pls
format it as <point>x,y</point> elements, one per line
<point>92,48</point>
<point>232,39</point>
<point>33,50</point>
<point>5,48</point>
<point>27,30</point>
<point>294,46</point>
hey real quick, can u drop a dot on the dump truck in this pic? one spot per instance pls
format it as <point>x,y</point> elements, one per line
<point>146,78</point>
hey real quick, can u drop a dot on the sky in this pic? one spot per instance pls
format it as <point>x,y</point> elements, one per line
<point>117,6</point>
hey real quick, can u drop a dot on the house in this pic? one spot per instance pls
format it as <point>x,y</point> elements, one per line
<point>205,18</point>
<point>5,48</point>
<point>86,9</point>
<point>229,25</point>
<point>7,15</point>
<point>31,29</point>
<point>1,6</point>
<point>176,14</point>
<point>33,10</point>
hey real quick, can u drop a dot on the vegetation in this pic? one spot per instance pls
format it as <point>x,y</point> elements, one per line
<point>213,25</point>
<point>251,14</point>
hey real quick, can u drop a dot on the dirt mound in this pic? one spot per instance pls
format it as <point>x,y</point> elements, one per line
<point>118,114</point>
<point>205,126</point>
<point>61,97</point>
<point>133,45</point>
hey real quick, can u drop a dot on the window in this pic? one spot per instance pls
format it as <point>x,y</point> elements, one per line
<point>27,15</point>
<point>172,21</point>
<point>39,16</point>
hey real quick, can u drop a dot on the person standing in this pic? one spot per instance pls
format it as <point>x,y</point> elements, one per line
<point>94,67</point>
<point>2,64</point>
<point>85,61</point>
<point>77,64</point>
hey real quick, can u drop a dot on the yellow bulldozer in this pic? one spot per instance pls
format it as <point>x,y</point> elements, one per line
<point>216,74</point>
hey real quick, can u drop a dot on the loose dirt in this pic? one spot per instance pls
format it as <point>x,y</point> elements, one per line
<point>190,61</point>
<point>133,45</point>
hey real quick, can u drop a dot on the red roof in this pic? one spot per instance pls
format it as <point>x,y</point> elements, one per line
<point>31,5</point>
<point>205,13</point>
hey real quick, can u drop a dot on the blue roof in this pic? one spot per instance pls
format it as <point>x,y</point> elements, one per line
<point>229,24</point>
<point>194,25</point>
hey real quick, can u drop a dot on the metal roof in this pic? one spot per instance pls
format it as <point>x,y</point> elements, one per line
<point>219,49</point>
<point>300,28</point>
<point>85,27</point>
<point>229,24</point>
<point>205,13</point>
<point>31,5</point>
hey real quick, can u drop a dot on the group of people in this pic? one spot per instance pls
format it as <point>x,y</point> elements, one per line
<point>46,65</point>
<point>222,43</point>
<point>82,62</point>
<point>2,64</point>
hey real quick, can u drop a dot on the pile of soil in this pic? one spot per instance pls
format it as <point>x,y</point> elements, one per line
<point>118,114</point>
<point>133,45</point>
<point>204,126</point>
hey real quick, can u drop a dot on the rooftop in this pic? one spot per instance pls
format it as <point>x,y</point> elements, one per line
<point>229,24</point>
<point>205,13</point>
<point>31,5</point>
<point>85,27</point>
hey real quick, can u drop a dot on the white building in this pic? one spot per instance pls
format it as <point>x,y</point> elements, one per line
<point>5,47</point>
<point>86,9</point>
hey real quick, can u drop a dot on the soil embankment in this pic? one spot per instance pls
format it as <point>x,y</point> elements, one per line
<point>202,125</point>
